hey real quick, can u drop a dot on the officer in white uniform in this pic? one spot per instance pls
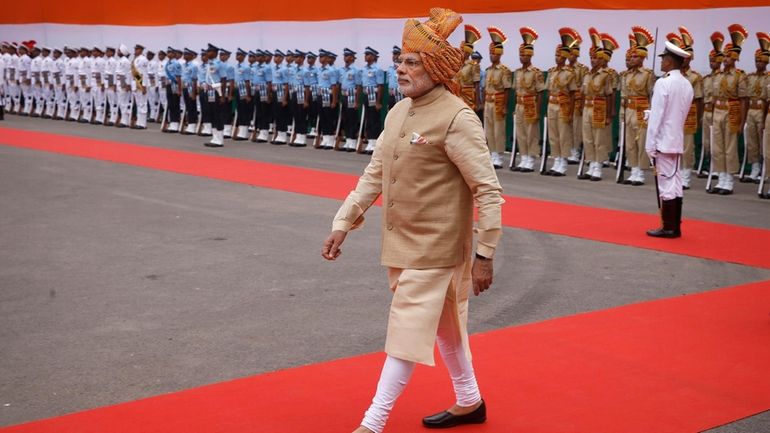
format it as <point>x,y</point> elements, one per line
<point>71,79</point>
<point>124,81</point>
<point>84,86</point>
<point>110,89</point>
<point>25,82</point>
<point>139,84</point>
<point>36,75</point>
<point>98,82</point>
<point>47,85</point>
<point>60,84</point>
<point>671,99</point>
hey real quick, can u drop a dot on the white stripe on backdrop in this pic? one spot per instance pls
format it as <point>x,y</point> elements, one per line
<point>382,34</point>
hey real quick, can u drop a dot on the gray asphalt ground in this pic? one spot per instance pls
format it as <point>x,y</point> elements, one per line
<point>119,282</point>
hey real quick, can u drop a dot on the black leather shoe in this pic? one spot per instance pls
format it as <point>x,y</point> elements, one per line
<point>664,233</point>
<point>714,190</point>
<point>445,419</point>
<point>584,176</point>
<point>517,168</point>
<point>725,191</point>
<point>637,183</point>
<point>526,170</point>
<point>596,179</point>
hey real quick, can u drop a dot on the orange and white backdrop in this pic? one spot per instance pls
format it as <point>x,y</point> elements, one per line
<point>313,24</point>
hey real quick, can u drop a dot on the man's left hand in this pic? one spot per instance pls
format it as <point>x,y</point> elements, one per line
<point>481,274</point>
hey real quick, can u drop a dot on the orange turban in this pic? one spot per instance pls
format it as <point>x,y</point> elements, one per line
<point>441,60</point>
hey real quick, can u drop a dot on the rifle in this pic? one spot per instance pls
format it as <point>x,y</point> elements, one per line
<point>655,176</point>
<point>761,191</point>
<point>361,129</point>
<point>742,176</point>
<point>544,150</point>
<point>621,163</point>
<point>513,145</point>
<point>711,159</point>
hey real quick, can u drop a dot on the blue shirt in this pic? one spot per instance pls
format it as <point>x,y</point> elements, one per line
<point>189,73</point>
<point>280,74</point>
<point>202,73</point>
<point>392,77</point>
<point>296,75</point>
<point>349,77</point>
<point>310,75</point>
<point>327,76</point>
<point>173,70</point>
<point>243,72</point>
<point>230,72</point>
<point>372,76</point>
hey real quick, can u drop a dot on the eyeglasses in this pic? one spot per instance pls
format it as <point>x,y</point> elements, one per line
<point>409,63</point>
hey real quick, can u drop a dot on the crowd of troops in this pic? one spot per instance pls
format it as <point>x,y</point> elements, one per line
<point>301,98</point>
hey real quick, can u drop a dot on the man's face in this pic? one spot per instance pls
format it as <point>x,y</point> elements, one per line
<point>252,59</point>
<point>395,57</point>
<point>729,62</point>
<point>189,57</point>
<point>349,60</point>
<point>299,60</point>
<point>161,56</point>
<point>686,63</point>
<point>278,60</point>
<point>138,51</point>
<point>494,58</point>
<point>525,59</point>
<point>56,55</point>
<point>573,57</point>
<point>559,59</point>
<point>666,64</point>
<point>83,53</point>
<point>110,53</point>
<point>150,56</point>
<point>413,79</point>
<point>311,61</point>
<point>369,58</point>
<point>760,64</point>
<point>224,57</point>
<point>239,57</point>
<point>714,64</point>
<point>594,61</point>
<point>636,60</point>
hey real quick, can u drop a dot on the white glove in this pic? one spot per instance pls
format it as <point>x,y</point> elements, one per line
<point>646,115</point>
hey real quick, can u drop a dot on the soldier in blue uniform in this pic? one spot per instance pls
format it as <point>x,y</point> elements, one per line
<point>328,98</point>
<point>350,88</point>
<point>393,92</point>
<point>243,95</point>
<point>310,80</point>
<point>190,86</point>
<point>216,79</point>
<point>281,113</point>
<point>229,92</point>
<point>173,90</point>
<point>300,100</point>
<point>372,85</point>
<point>263,79</point>
<point>202,93</point>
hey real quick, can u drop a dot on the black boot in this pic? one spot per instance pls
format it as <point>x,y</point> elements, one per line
<point>2,112</point>
<point>670,216</point>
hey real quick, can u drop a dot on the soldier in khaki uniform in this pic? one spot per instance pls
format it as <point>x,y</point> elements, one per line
<point>695,115</point>
<point>562,85</point>
<point>496,88</point>
<point>469,76</point>
<point>757,82</point>
<point>635,91</point>
<point>730,89</point>
<point>766,141</point>
<point>529,84</point>
<point>599,87</point>
<point>580,71</point>
<point>715,64</point>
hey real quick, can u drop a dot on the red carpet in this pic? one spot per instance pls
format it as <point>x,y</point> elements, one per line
<point>678,365</point>
<point>708,240</point>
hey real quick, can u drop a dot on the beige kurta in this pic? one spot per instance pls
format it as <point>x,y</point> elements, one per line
<point>429,189</point>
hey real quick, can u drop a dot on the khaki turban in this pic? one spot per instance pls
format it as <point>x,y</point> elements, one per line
<point>441,60</point>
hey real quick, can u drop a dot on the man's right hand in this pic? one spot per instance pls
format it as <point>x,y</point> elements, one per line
<point>331,248</point>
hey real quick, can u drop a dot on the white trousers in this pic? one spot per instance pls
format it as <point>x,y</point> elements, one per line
<point>140,99</point>
<point>397,372</point>
<point>112,101</point>
<point>669,175</point>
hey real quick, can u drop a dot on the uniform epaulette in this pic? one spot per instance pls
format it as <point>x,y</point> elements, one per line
<point>551,69</point>
<point>740,71</point>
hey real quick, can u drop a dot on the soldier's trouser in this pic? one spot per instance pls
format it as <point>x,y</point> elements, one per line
<point>373,122</point>
<point>73,100</point>
<point>527,134</point>
<point>86,103</point>
<point>329,120</point>
<point>559,132</point>
<point>281,115</point>
<point>61,101</point>
<point>112,102</point>
<point>245,111</point>
<point>635,137</point>
<point>28,96</point>
<point>49,95</point>
<point>708,118</point>
<point>174,112</point>
<point>140,100</point>
<point>40,98</point>
<point>494,129</point>
<point>669,176</point>
<point>725,144</point>
<point>153,98</point>
<point>688,157</point>
<point>754,134</point>
<point>14,91</point>
<point>219,113</point>
<point>192,107</point>
<point>766,145</point>
<point>206,107</point>
<point>594,139</point>
<point>264,116</point>
<point>162,100</point>
<point>299,114</point>
<point>350,120</point>
<point>313,110</point>
<point>100,103</point>
<point>124,101</point>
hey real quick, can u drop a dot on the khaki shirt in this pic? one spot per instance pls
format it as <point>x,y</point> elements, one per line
<point>561,80</point>
<point>529,81</point>
<point>696,80</point>
<point>601,82</point>
<point>730,84</point>
<point>469,74</point>
<point>498,79</point>
<point>637,82</point>
<point>756,84</point>
<point>708,87</point>
<point>429,187</point>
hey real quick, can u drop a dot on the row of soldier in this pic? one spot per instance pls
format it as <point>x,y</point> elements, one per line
<point>286,98</point>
